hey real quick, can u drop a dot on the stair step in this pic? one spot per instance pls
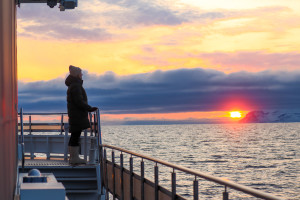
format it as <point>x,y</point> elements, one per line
<point>85,196</point>
<point>84,183</point>
<point>81,191</point>
<point>63,172</point>
<point>77,179</point>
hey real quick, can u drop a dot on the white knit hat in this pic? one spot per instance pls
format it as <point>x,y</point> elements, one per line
<point>74,71</point>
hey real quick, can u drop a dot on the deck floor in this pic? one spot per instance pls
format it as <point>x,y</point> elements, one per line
<point>52,163</point>
<point>40,162</point>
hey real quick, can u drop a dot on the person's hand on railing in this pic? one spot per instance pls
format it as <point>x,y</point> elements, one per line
<point>92,109</point>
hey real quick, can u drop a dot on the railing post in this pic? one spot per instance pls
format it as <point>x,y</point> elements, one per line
<point>22,138</point>
<point>31,140</point>
<point>91,120</point>
<point>113,174</point>
<point>225,194</point>
<point>95,123</point>
<point>99,136</point>
<point>142,180</point>
<point>48,149</point>
<point>131,178</point>
<point>101,168</point>
<point>93,150</point>
<point>173,185</point>
<point>196,189</point>
<point>106,178</point>
<point>156,181</point>
<point>85,144</point>
<point>29,124</point>
<point>122,176</point>
<point>21,123</point>
<point>61,123</point>
<point>99,127</point>
<point>31,148</point>
<point>66,141</point>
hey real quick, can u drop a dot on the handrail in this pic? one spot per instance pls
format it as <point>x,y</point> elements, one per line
<point>22,138</point>
<point>58,127</point>
<point>42,124</point>
<point>21,123</point>
<point>61,113</point>
<point>99,128</point>
<point>208,177</point>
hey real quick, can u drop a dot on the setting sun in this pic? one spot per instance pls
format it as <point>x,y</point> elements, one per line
<point>235,114</point>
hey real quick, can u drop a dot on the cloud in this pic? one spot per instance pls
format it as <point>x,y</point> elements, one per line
<point>96,20</point>
<point>181,90</point>
<point>254,61</point>
<point>101,20</point>
<point>155,12</point>
<point>63,32</point>
<point>40,21</point>
<point>148,13</point>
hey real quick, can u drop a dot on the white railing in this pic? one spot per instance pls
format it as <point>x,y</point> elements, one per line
<point>42,136</point>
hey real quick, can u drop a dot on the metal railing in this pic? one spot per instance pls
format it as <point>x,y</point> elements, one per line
<point>100,155</point>
<point>226,183</point>
<point>58,127</point>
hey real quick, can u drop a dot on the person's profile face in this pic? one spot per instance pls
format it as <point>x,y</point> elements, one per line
<point>80,75</point>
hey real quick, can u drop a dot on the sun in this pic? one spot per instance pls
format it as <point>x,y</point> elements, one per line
<point>235,114</point>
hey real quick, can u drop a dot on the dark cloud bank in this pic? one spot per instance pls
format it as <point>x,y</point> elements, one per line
<point>181,90</point>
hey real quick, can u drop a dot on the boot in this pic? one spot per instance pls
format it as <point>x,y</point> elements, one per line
<point>74,156</point>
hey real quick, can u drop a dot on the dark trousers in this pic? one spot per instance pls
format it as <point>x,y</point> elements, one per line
<point>74,139</point>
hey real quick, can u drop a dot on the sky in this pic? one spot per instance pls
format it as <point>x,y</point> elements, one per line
<point>175,61</point>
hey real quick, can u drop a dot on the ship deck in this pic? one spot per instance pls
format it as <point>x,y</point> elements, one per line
<point>31,163</point>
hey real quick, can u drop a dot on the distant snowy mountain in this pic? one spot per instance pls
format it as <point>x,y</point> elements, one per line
<point>275,116</point>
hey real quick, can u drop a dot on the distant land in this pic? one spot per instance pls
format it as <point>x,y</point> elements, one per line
<point>163,122</point>
<point>271,117</point>
<point>251,117</point>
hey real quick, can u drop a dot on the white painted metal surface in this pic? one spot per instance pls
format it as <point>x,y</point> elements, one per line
<point>46,191</point>
<point>53,144</point>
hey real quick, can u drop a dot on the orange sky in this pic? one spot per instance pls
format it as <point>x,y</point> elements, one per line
<point>251,28</point>
<point>175,116</point>
<point>226,40</point>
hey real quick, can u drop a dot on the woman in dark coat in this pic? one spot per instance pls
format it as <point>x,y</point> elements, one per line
<point>78,109</point>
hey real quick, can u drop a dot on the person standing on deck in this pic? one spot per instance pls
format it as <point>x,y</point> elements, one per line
<point>78,109</point>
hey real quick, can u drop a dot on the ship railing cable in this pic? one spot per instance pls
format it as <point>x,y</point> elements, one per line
<point>198,175</point>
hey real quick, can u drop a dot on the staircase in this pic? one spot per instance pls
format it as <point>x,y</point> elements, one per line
<point>80,182</point>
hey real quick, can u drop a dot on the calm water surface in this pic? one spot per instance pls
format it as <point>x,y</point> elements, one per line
<point>262,156</point>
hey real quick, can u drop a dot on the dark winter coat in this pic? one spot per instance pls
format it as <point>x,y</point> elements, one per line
<point>77,104</point>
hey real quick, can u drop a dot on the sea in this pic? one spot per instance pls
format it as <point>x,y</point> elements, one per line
<point>264,156</point>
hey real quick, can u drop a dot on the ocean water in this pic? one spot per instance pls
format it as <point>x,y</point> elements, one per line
<point>262,156</point>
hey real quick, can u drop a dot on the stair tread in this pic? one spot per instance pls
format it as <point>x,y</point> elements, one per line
<point>82,191</point>
<point>41,163</point>
<point>76,179</point>
<point>60,167</point>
